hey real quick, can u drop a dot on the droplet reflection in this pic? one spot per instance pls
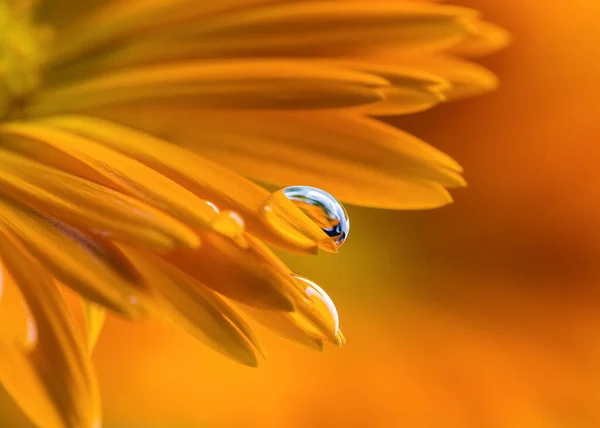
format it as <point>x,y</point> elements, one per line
<point>320,298</point>
<point>322,208</point>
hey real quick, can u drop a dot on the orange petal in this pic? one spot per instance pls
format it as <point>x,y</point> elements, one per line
<point>287,326</point>
<point>281,84</point>
<point>399,101</point>
<point>239,273</point>
<point>89,205</point>
<point>284,29</point>
<point>197,309</point>
<point>54,384</point>
<point>209,180</point>
<point>127,18</point>
<point>255,277</point>
<point>359,160</point>
<point>17,326</point>
<point>412,90</point>
<point>297,326</point>
<point>123,171</point>
<point>485,39</point>
<point>466,78</point>
<point>309,309</point>
<point>94,269</point>
<point>93,317</point>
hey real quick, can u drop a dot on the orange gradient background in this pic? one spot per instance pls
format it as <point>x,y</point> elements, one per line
<point>483,314</point>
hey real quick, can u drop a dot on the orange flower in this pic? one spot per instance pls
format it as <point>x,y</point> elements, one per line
<point>129,137</point>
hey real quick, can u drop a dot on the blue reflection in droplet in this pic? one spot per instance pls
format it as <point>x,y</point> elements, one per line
<point>323,209</point>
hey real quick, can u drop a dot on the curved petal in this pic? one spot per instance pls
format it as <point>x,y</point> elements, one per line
<point>123,171</point>
<point>207,179</point>
<point>357,159</point>
<point>95,270</point>
<point>17,325</point>
<point>399,101</point>
<point>93,317</point>
<point>280,29</point>
<point>288,326</point>
<point>88,205</point>
<point>54,384</point>
<point>309,309</point>
<point>412,90</point>
<point>485,39</point>
<point>292,326</point>
<point>128,18</point>
<point>197,309</point>
<point>466,78</point>
<point>255,277</point>
<point>281,84</point>
<point>239,273</point>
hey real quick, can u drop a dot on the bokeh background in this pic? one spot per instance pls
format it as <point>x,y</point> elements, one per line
<point>483,314</point>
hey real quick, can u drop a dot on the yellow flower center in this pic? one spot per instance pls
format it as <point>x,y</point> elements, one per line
<point>22,47</point>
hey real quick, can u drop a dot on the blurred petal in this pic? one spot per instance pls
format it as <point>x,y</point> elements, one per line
<point>88,205</point>
<point>93,317</point>
<point>238,273</point>
<point>253,276</point>
<point>93,270</point>
<point>286,325</point>
<point>17,326</point>
<point>412,90</point>
<point>297,326</point>
<point>400,101</point>
<point>54,384</point>
<point>209,180</point>
<point>200,311</point>
<point>127,18</point>
<point>282,84</point>
<point>466,78</point>
<point>308,309</point>
<point>401,76</point>
<point>283,29</point>
<point>486,38</point>
<point>128,174</point>
<point>359,160</point>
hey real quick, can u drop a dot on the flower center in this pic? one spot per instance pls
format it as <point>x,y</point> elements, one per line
<point>22,44</point>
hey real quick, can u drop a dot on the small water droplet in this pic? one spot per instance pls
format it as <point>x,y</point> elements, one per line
<point>322,208</point>
<point>232,225</point>
<point>213,206</point>
<point>319,297</point>
<point>32,332</point>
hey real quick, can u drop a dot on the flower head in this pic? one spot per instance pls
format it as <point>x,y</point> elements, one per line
<point>130,135</point>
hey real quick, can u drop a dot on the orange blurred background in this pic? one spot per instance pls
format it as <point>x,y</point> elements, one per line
<point>483,314</point>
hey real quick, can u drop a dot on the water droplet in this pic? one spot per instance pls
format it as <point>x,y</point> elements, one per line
<point>213,206</point>
<point>322,208</point>
<point>231,224</point>
<point>32,332</point>
<point>323,302</point>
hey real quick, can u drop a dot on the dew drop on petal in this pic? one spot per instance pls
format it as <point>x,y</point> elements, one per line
<point>213,206</point>
<point>319,297</point>
<point>32,332</point>
<point>232,225</point>
<point>322,208</point>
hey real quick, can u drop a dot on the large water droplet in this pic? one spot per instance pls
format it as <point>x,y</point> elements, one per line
<point>323,302</point>
<point>322,208</point>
